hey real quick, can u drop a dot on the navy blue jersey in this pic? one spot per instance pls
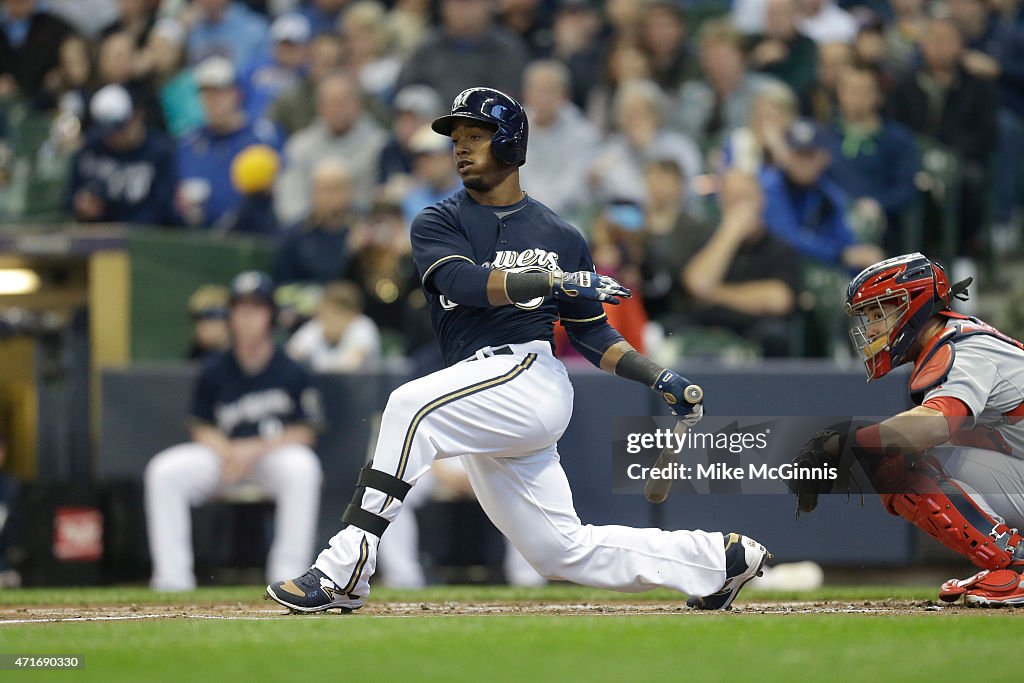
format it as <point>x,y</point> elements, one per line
<point>242,405</point>
<point>524,237</point>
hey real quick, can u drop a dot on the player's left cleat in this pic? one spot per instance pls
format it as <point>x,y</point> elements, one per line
<point>744,559</point>
<point>986,589</point>
<point>314,591</point>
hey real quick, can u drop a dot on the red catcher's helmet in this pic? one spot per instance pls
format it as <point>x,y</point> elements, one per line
<point>913,289</point>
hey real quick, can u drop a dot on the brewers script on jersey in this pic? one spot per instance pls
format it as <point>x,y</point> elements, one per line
<point>502,404</point>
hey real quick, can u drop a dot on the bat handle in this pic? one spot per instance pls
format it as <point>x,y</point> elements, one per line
<point>693,394</point>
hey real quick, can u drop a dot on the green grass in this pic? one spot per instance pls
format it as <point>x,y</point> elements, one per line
<point>934,647</point>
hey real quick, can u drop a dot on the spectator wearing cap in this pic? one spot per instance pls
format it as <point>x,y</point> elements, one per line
<point>136,18</point>
<point>208,310</point>
<point>562,142</point>
<point>253,420</point>
<point>295,108</point>
<point>175,85</point>
<point>414,107</point>
<point>781,50</point>
<point>806,209</point>
<point>315,249</point>
<point>205,192</point>
<point>323,15</point>
<point>433,174</point>
<point>229,29</point>
<point>720,101</point>
<point>467,50</point>
<point>618,170</point>
<point>826,22</point>
<point>340,338</point>
<point>874,159</point>
<point>30,40</point>
<point>126,172</point>
<point>943,101</point>
<point>267,78</point>
<point>342,130</point>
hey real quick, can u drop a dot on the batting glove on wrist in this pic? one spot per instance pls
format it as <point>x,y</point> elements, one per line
<point>586,285</point>
<point>672,387</point>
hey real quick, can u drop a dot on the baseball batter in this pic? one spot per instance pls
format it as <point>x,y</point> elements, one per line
<point>499,269</point>
<point>964,441</point>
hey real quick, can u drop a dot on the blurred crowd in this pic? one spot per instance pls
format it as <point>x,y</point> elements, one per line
<point>729,161</point>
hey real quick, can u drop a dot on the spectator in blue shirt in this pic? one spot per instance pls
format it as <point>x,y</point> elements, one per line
<point>126,172</point>
<point>414,107</point>
<point>316,249</point>
<point>874,160</point>
<point>205,192</point>
<point>806,209</point>
<point>433,177</point>
<point>229,29</point>
<point>267,78</point>
<point>323,15</point>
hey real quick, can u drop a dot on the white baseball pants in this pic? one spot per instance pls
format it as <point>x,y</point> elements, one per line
<point>189,474</point>
<point>504,414</point>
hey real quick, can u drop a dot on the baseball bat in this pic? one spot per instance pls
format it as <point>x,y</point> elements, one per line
<point>656,490</point>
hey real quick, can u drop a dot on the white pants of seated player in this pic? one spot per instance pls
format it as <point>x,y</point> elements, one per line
<point>398,558</point>
<point>993,481</point>
<point>507,435</point>
<point>188,475</point>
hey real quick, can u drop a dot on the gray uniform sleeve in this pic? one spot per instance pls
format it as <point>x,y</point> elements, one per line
<point>972,379</point>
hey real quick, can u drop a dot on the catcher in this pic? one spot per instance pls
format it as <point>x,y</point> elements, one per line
<point>954,464</point>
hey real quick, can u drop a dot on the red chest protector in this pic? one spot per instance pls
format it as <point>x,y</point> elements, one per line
<point>933,364</point>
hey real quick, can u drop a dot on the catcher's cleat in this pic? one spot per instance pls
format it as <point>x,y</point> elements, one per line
<point>744,559</point>
<point>314,591</point>
<point>986,589</point>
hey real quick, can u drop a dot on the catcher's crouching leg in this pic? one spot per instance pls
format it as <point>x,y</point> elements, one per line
<point>941,508</point>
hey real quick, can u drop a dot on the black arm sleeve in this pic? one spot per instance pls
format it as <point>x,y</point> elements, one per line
<point>638,367</point>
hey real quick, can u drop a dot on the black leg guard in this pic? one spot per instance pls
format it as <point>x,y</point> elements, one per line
<point>368,521</point>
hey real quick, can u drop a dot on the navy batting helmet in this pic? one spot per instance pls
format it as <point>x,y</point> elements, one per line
<point>253,284</point>
<point>494,108</point>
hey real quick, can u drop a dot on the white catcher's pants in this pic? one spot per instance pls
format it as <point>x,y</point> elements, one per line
<point>504,414</point>
<point>189,474</point>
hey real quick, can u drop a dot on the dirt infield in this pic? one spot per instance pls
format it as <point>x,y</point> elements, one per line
<point>266,610</point>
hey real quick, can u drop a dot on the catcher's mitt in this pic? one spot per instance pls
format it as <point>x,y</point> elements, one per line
<point>815,453</point>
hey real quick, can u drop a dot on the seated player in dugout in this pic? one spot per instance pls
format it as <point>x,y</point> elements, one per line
<point>954,464</point>
<point>498,269</point>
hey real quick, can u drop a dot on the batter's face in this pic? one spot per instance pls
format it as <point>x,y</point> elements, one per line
<point>250,319</point>
<point>474,162</point>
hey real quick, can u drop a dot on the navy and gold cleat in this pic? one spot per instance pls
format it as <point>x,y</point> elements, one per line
<point>314,591</point>
<point>744,559</point>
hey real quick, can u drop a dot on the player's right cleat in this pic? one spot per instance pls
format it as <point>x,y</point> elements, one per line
<point>986,589</point>
<point>314,591</point>
<point>744,559</point>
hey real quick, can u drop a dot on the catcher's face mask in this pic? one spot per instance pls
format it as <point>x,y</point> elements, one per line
<point>876,329</point>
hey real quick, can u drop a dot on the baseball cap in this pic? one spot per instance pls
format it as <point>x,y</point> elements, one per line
<point>111,108</point>
<point>171,30</point>
<point>253,284</point>
<point>426,141</point>
<point>209,302</point>
<point>291,28</point>
<point>804,135</point>
<point>215,72</point>
<point>419,99</point>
